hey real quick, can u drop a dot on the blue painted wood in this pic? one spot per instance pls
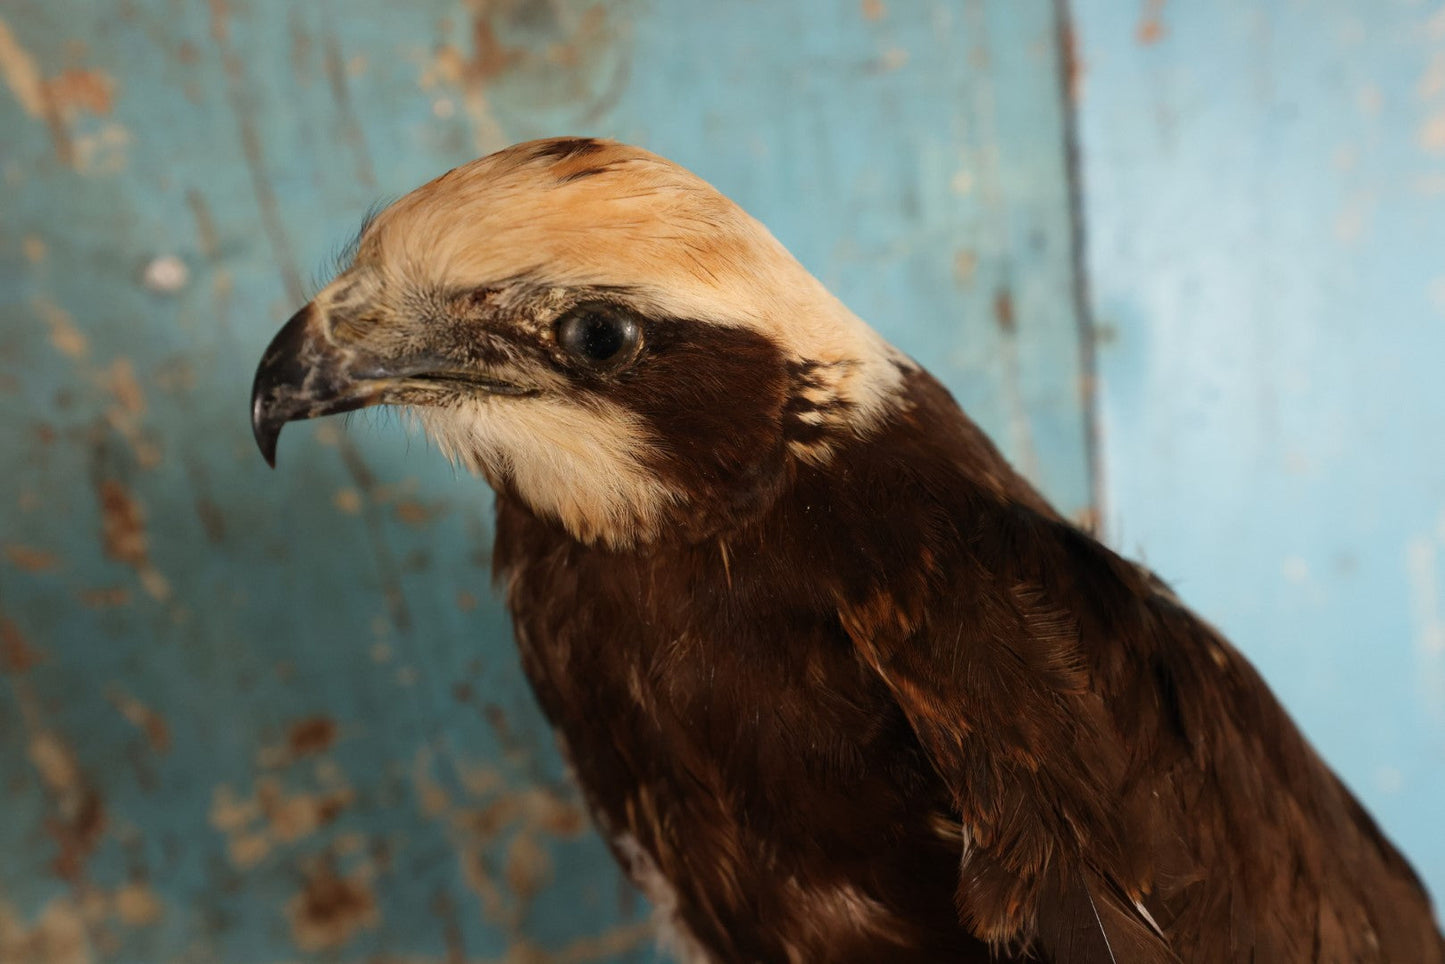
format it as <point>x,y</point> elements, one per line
<point>1265,187</point>
<point>253,716</point>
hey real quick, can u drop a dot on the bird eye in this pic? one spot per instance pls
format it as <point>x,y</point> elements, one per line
<point>600,337</point>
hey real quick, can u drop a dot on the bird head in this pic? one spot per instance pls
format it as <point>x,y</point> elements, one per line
<point>595,330</point>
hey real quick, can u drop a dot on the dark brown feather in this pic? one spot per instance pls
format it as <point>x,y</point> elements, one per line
<point>789,704</point>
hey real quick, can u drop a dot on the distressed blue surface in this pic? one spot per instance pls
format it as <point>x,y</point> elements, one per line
<point>254,716</point>
<point>1265,200</point>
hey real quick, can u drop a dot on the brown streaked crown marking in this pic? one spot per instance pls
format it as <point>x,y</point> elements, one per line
<point>566,148</point>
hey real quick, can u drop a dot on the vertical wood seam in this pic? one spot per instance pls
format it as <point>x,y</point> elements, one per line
<point>1067,67</point>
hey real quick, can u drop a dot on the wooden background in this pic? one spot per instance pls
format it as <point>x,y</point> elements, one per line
<point>254,716</point>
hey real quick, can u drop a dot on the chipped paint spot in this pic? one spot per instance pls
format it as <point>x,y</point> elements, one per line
<point>79,89</point>
<point>34,248</point>
<point>248,850</point>
<point>119,380</point>
<point>298,815</point>
<point>105,151</point>
<point>124,524</point>
<point>1151,23</point>
<point>528,866</point>
<point>66,338</point>
<point>137,905</point>
<point>347,500</point>
<point>311,736</point>
<point>331,909</point>
<point>21,74</point>
<point>143,718</point>
<point>271,817</point>
<point>230,813</point>
<point>16,653</point>
<point>466,601</point>
<point>874,10</point>
<point>80,817</point>
<point>491,811</point>
<point>31,559</point>
<point>1003,311</point>
<point>54,762</point>
<point>57,936</point>
<point>166,274</point>
<point>124,536</point>
<point>430,794</point>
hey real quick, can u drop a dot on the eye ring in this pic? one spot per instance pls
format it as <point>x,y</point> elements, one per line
<point>599,337</point>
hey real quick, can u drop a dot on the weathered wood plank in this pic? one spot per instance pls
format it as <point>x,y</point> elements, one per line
<point>254,716</point>
<point>1265,187</point>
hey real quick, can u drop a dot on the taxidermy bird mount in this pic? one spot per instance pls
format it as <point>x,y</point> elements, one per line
<point>838,684</point>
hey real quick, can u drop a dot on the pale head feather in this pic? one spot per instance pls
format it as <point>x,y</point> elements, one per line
<point>616,216</point>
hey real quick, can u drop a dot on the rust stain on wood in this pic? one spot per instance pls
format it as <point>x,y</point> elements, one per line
<point>1151,23</point>
<point>331,909</point>
<point>143,718</point>
<point>16,653</point>
<point>311,736</point>
<point>57,100</point>
<point>31,559</point>
<point>67,339</point>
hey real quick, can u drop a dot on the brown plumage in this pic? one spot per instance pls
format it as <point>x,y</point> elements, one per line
<point>839,685</point>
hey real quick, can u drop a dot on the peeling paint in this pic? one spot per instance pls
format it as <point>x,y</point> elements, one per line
<point>491,811</point>
<point>80,817</point>
<point>16,653</point>
<point>57,935</point>
<point>21,73</point>
<point>78,89</point>
<point>123,534</point>
<point>137,905</point>
<point>1151,23</point>
<point>66,338</point>
<point>165,274</point>
<point>142,717</point>
<point>331,909</point>
<point>347,500</point>
<point>310,736</point>
<point>56,101</point>
<point>31,559</point>
<point>270,817</point>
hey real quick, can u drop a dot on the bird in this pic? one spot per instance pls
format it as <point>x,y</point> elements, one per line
<point>837,683</point>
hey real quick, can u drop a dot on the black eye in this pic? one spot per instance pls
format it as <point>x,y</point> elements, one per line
<point>600,337</point>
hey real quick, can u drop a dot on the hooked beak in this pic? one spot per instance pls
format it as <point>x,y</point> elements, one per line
<point>306,372</point>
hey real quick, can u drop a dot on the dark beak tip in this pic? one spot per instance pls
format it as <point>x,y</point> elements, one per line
<point>278,368</point>
<point>265,429</point>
